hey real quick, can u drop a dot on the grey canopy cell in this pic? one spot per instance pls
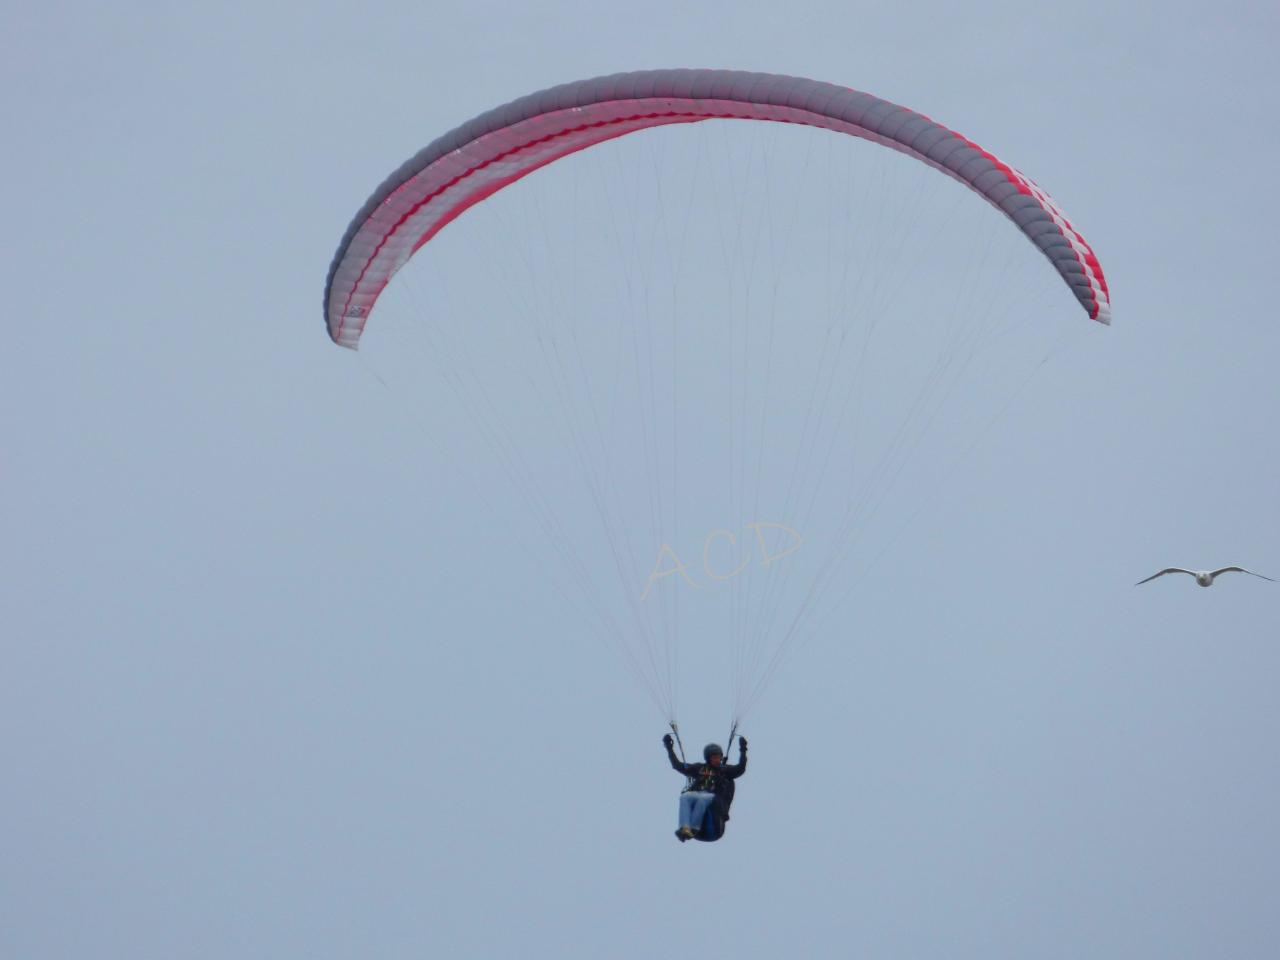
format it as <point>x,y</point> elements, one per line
<point>499,147</point>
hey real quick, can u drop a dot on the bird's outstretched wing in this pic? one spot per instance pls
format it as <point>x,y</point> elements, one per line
<point>1162,573</point>
<point>1241,570</point>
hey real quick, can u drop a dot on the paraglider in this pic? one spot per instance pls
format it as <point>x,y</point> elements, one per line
<point>734,411</point>
<point>708,794</point>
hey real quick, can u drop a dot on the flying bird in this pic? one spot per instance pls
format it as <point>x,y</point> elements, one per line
<point>1203,577</point>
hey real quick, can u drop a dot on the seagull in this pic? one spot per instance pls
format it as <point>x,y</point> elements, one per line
<point>1203,577</point>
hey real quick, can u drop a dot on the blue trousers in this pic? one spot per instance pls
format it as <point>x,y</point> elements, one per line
<point>693,808</point>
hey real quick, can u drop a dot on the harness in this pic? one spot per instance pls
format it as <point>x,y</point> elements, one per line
<point>688,781</point>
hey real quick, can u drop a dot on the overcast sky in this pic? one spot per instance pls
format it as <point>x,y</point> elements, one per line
<point>272,686</point>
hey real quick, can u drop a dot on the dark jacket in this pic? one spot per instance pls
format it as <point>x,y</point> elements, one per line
<point>715,780</point>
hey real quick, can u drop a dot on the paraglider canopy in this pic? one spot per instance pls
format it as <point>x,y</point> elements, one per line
<point>499,147</point>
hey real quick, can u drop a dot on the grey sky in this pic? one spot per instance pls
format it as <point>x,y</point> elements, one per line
<point>257,702</point>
